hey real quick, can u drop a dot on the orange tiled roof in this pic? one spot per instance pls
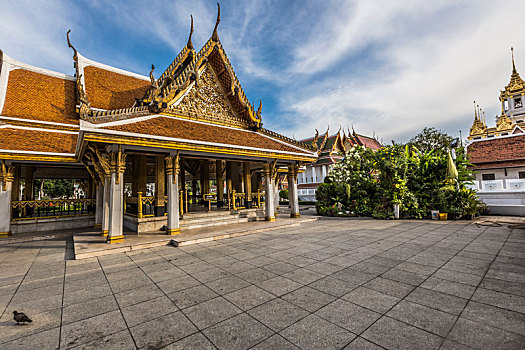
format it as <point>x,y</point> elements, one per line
<point>110,90</point>
<point>495,150</point>
<point>37,96</point>
<point>37,141</point>
<point>185,129</point>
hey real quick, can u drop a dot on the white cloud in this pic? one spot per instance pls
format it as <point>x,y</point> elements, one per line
<point>429,79</point>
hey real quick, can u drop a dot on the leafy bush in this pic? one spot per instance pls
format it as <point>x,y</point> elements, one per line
<point>367,183</point>
<point>283,194</point>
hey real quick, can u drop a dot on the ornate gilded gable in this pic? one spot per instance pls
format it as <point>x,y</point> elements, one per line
<point>504,123</point>
<point>206,100</point>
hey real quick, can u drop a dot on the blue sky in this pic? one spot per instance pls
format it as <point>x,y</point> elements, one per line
<point>385,67</point>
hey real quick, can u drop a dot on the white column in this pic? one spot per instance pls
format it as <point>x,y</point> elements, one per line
<point>269,189</point>
<point>323,172</point>
<point>276,194</point>
<point>172,182</point>
<point>99,203</point>
<point>105,206</point>
<point>292,192</point>
<point>314,175</point>
<point>116,208</point>
<point>6,187</point>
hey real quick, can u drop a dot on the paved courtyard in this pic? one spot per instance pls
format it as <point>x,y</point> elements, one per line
<point>330,284</point>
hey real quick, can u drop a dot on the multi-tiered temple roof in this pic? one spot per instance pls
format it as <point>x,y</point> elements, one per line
<point>197,104</point>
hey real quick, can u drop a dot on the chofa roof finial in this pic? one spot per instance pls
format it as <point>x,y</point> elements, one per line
<point>215,35</point>
<point>71,46</point>
<point>189,45</point>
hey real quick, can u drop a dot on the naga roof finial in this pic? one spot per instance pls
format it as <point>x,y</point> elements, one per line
<point>215,35</point>
<point>70,45</point>
<point>259,110</point>
<point>151,77</point>
<point>189,45</point>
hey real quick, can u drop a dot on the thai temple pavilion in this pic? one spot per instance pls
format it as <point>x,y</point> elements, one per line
<point>147,149</point>
<point>330,149</point>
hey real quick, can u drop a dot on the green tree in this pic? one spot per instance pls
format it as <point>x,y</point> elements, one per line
<point>431,139</point>
<point>55,188</point>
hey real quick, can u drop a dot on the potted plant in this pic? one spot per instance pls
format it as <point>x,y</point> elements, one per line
<point>397,203</point>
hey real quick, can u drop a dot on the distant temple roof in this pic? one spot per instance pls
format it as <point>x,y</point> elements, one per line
<point>331,148</point>
<point>500,152</point>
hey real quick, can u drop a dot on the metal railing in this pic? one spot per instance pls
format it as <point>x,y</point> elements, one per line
<point>52,208</point>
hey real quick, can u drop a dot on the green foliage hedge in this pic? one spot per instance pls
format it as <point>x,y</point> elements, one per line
<point>368,183</point>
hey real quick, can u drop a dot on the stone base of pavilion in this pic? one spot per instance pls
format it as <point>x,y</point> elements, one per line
<point>90,244</point>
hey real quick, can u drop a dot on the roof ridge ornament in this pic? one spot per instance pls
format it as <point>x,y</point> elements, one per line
<point>84,107</point>
<point>189,45</point>
<point>215,35</point>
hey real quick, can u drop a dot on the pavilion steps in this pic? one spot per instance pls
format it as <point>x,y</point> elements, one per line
<point>217,218</point>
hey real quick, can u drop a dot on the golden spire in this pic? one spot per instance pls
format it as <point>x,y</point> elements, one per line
<point>189,45</point>
<point>475,111</point>
<point>516,84</point>
<point>513,65</point>
<point>215,35</point>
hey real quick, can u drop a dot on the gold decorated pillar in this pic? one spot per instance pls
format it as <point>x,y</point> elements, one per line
<point>205,178</point>
<point>116,196</point>
<point>247,179</point>
<point>160,186</point>
<point>220,183</point>
<point>101,164</point>
<point>6,186</point>
<point>172,182</point>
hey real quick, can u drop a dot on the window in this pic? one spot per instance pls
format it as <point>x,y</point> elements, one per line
<point>488,177</point>
<point>506,105</point>
<point>505,133</point>
<point>521,174</point>
<point>518,103</point>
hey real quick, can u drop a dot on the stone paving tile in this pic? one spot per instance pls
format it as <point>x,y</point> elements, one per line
<point>279,285</point>
<point>313,332</point>
<point>138,295</point>
<point>227,284</point>
<point>236,333</point>
<point>308,298</point>
<point>116,341</point>
<point>275,342</point>
<point>178,284</point>
<point>481,336</point>
<point>192,296</point>
<point>502,286</point>
<point>496,317</point>
<point>194,341</point>
<point>348,316</point>
<point>448,287</point>
<point>435,267</point>
<point>431,320</point>
<point>333,286</point>
<point>92,328</point>
<point>362,344</point>
<point>210,312</point>
<point>162,331</point>
<point>437,300</point>
<point>393,334</point>
<point>503,300</point>
<point>249,297</point>
<point>371,299</point>
<point>87,309</point>
<point>46,340</point>
<point>256,275</point>
<point>139,313</point>
<point>390,287</point>
<point>278,314</point>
